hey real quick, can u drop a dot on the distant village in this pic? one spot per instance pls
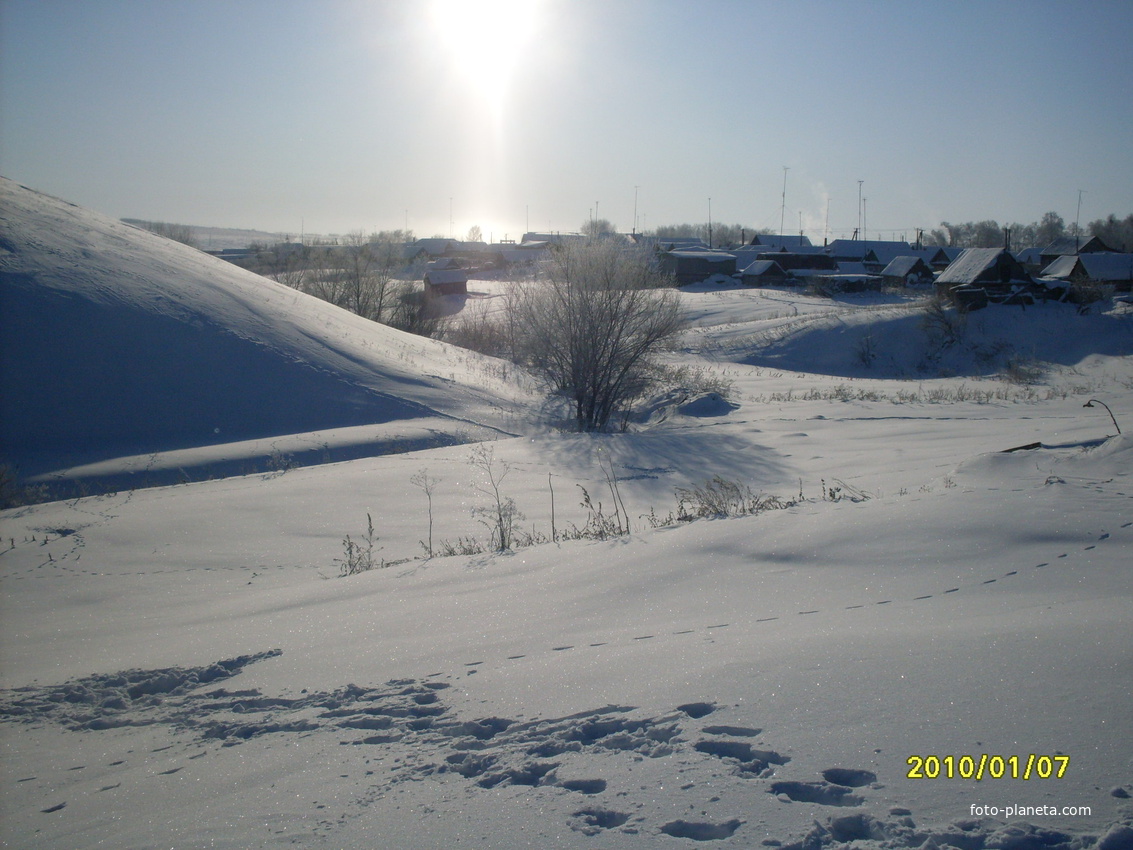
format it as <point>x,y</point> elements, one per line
<point>971,277</point>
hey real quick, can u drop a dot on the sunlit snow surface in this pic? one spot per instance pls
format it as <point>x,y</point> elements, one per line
<point>183,666</point>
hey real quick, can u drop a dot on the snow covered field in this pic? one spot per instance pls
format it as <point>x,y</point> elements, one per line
<point>183,666</point>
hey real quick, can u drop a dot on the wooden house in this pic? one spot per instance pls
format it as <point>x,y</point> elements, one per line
<point>1107,269</point>
<point>800,263</point>
<point>694,266</point>
<point>980,276</point>
<point>869,251</point>
<point>907,271</point>
<point>445,277</point>
<point>763,273</point>
<point>1067,246</point>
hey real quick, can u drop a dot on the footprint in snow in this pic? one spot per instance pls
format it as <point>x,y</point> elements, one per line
<point>701,831</point>
<point>593,821</point>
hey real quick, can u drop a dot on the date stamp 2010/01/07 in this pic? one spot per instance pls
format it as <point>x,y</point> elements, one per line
<point>985,766</point>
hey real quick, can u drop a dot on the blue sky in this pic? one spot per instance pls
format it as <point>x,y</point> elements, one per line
<point>339,115</point>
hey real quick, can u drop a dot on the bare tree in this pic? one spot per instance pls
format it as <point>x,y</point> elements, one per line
<point>1050,228</point>
<point>592,322</point>
<point>1114,232</point>
<point>358,275</point>
<point>182,233</point>
<point>598,227</point>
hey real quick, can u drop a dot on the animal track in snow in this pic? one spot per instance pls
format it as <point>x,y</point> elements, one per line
<point>823,793</point>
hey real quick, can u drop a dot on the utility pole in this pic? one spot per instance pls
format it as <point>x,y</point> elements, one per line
<point>635,210</point>
<point>826,228</point>
<point>1077,218</point>
<point>865,225</point>
<point>783,206</point>
<point>859,230</point>
<point>709,222</point>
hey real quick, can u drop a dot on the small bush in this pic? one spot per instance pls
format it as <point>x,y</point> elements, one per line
<point>943,323</point>
<point>718,497</point>
<point>359,557</point>
<point>599,525</point>
<point>1023,370</point>
<point>501,517</point>
<point>461,546</point>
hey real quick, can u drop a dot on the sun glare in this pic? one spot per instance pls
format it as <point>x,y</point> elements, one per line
<point>484,39</point>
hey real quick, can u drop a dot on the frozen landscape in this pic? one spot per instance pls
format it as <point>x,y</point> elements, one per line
<point>183,664</point>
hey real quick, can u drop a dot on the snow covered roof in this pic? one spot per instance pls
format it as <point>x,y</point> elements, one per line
<point>434,247</point>
<point>905,266</point>
<point>1074,245</point>
<point>440,277</point>
<point>763,267</point>
<point>990,264</point>
<point>785,240</point>
<point>1101,267</point>
<point>681,243</point>
<point>707,255</point>
<point>933,256</point>
<point>856,249</point>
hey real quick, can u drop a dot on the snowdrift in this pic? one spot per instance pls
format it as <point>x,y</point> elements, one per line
<point>121,343</point>
<point>904,342</point>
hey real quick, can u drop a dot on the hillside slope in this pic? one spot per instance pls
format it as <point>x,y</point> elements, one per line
<point>120,343</point>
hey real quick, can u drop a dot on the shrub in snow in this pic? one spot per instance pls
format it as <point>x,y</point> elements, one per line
<point>592,323</point>
<point>359,557</point>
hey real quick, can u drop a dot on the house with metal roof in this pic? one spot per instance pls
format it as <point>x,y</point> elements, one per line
<point>1066,246</point>
<point>857,250</point>
<point>780,242</point>
<point>1102,268</point>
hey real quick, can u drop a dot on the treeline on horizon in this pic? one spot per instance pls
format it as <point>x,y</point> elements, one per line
<point>1114,232</point>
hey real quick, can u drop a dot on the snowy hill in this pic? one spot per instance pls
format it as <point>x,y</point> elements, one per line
<point>923,642</point>
<point>118,344</point>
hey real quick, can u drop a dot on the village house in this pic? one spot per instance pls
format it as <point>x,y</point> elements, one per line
<point>694,266</point>
<point>802,265</point>
<point>1067,246</point>
<point>782,242</point>
<point>869,251</point>
<point>935,257</point>
<point>763,273</point>
<point>980,276</point>
<point>445,277</point>
<point>907,271</point>
<point>1104,269</point>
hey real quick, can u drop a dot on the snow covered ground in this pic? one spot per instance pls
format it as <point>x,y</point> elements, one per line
<point>184,666</point>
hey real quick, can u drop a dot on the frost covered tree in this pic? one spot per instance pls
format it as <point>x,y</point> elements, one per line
<point>1050,228</point>
<point>592,322</point>
<point>1114,232</point>
<point>597,227</point>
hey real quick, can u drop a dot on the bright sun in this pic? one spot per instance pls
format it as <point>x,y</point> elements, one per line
<point>483,39</point>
